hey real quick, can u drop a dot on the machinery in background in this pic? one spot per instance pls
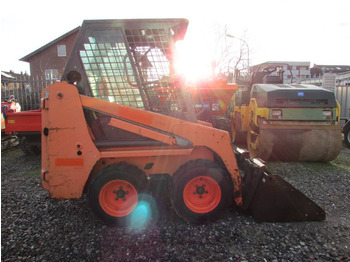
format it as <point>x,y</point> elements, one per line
<point>8,106</point>
<point>289,122</point>
<point>211,99</point>
<point>25,125</point>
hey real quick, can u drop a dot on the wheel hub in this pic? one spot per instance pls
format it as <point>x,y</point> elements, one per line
<point>118,198</point>
<point>200,190</point>
<point>202,194</point>
<point>120,193</point>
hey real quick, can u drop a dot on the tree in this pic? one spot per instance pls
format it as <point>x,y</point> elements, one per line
<point>232,53</point>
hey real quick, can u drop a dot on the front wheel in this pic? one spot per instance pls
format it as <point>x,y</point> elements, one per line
<point>201,191</point>
<point>114,193</point>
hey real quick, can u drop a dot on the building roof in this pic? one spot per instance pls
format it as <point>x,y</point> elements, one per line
<point>6,75</point>
<point>27,57</point>
<point>292,63</point>
<point>274,63</point>
<point>10,76</point>
<point>333,68</point>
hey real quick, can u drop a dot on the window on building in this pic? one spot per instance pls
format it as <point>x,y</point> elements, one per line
<point>51,74</point>
<point>61,50</point>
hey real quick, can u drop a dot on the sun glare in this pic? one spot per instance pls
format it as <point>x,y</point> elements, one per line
<point>193,62</point>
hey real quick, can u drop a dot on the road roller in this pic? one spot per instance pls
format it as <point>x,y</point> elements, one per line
<point>285,122</point>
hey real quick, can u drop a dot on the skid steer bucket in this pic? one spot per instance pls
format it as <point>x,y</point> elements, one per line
<point>269,198</point>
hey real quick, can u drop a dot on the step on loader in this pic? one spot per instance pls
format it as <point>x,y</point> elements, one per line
<point>119,119</point>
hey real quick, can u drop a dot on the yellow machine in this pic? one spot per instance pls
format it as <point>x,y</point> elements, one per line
<point>286,121</point>
<point>136,126</point>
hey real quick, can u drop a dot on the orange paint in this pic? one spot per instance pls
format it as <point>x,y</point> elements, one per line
<point>68,135</point>
<point>69,161</point>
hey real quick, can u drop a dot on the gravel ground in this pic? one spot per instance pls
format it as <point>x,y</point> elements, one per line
<point>37,228</point>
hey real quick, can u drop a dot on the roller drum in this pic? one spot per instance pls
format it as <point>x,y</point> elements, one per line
<point>319,144</point>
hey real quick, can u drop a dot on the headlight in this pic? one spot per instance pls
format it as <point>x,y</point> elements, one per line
<point>276,114</point>
<point>327,114</point>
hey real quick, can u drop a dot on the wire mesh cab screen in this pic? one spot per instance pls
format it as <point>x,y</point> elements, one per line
<point>129,62</point>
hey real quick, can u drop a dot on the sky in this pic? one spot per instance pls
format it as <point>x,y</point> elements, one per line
<point>275,30</point>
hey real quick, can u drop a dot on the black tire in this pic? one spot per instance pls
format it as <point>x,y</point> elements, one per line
<point>108,183</point>
<point>347,135</point>
<point>8,142</point>
<point>27,148</point>
<point>205,171</point>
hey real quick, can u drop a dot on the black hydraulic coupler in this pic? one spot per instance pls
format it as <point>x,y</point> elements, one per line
<point>269,198</point>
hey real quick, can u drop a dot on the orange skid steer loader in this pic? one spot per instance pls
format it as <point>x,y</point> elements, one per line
<point>119,119</point>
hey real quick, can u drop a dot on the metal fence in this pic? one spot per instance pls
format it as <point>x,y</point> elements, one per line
<point>342,94</point>
<point>26,89</point>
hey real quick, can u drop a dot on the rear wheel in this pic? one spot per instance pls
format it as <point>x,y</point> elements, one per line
<point>29,148</point>
<point>201,191</point>
<point>114,193</point>
<point>8,142</point>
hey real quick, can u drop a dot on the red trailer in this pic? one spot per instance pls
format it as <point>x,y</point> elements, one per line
<point>26,125</point>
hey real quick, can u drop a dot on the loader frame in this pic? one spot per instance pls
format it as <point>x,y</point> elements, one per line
<point>74,144</point>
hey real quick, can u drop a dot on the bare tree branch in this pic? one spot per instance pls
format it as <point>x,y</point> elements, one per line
<point>232,52</point>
